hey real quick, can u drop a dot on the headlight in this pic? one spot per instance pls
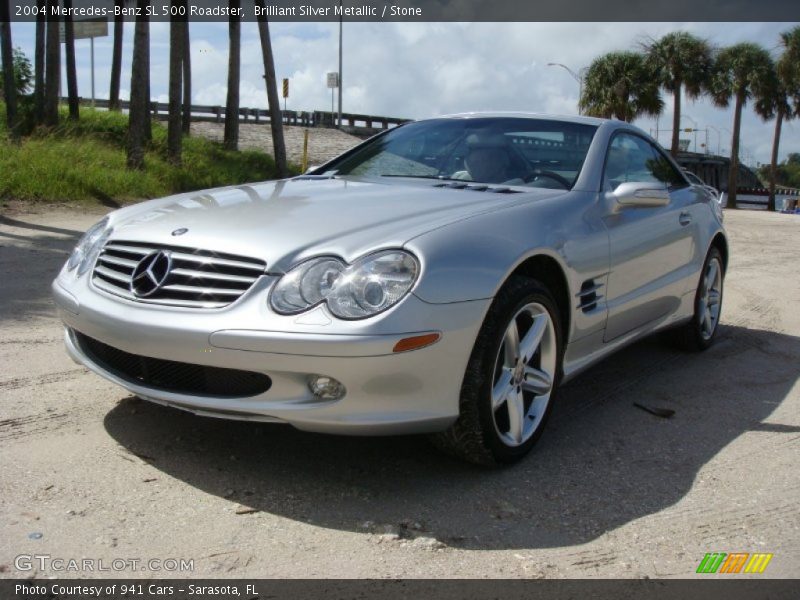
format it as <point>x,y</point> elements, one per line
<point>89,246</point>
<point>370,285</point>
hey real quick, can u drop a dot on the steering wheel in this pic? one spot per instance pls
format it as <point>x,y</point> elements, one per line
<point>550,175</point>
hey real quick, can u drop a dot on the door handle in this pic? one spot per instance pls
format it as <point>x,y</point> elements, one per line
<point>685,218</point>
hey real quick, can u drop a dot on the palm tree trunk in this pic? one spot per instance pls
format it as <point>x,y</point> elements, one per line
<point>52,69</point>
<point>676,123</point>
<point>9,85</point>
<point>733,175</point>
<point>187,81</point>
<point>231,140</point>
<point>174,125</point>
<point>38,85</point>
<point>116,59</point>
<point>148,130</point>
<point>139,112</point>
<point>72,75</point>
<point>275,116</point>
<point>773,165</point>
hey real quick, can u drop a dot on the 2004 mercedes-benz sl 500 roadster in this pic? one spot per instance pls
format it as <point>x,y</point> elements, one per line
<point>442,277</point>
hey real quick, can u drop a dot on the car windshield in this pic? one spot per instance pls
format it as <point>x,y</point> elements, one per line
<point>512,151</point>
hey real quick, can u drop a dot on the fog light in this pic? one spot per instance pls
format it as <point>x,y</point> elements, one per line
<point>325,388</point>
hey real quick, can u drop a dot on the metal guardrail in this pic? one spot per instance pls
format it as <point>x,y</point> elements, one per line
<point>216,114</point>
<point>779,191</point>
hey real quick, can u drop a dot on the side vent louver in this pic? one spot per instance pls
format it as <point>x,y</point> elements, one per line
<point>588,296</point>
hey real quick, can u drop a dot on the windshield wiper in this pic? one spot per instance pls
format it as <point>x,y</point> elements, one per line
<point>434,177</point>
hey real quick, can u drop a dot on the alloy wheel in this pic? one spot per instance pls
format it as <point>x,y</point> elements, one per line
<point>524,374</point>
<point>710,298</point>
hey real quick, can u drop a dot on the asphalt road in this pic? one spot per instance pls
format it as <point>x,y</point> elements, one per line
<point>87,471</point>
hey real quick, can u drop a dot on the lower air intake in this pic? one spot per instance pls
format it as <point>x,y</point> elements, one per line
<point>173,376</point>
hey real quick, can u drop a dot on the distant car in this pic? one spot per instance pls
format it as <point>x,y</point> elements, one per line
<point>695,180</point>
<point>443,277</point>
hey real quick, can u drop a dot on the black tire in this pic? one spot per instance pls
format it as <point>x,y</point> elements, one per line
<point>474,437</point>
<point>690,336</point>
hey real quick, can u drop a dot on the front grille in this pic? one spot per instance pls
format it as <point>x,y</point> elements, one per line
<point>197,278</point>
<point>173,376</point>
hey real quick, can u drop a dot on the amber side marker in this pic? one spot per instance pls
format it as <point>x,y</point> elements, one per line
<point>416,342</point>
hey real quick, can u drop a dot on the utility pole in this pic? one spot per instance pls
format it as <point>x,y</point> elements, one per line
<point>718,137</point>
<point>694,129</point>
<point>341,23</point>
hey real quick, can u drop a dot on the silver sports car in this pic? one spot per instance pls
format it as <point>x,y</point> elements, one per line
<point>442,277</point>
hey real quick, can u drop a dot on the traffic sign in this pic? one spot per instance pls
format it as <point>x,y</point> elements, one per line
<point>85,29</point>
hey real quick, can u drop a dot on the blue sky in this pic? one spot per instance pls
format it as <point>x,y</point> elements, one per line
<point>417,70</point>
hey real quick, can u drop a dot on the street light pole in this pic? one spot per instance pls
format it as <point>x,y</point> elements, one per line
<point>694,129</point>
<point>576,77</point>
<point>718,137</point>
<point>341,20</point>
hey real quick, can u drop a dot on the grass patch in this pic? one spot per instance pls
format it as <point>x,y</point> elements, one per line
<point>84,162</point>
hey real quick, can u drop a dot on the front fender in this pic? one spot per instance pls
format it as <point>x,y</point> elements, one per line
<point>472,258</point>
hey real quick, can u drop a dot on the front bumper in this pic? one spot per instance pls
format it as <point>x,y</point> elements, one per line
<point>387,393</point>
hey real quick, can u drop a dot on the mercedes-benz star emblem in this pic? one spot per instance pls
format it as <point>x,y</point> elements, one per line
<point>151,273</point>
<point>180,231</point>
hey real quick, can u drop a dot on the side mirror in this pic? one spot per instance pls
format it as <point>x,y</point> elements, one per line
<point>311,169</point>
<point>641,193</point>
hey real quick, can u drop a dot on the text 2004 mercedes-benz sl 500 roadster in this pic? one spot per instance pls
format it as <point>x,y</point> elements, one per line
<point>442,277</point>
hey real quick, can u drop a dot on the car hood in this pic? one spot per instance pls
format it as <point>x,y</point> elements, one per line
<point>283,222</point>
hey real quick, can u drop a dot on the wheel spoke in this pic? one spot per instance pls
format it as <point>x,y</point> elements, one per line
<point>707,325</point>
<point>537,382</point>
<point>714,310</point>
<point>533,338</point>
<point>711,276</point>
<point>703,308</point>
<point>516,415</point>
<point>511,343</point>
<point>713,298</point>
<point>502,388</point>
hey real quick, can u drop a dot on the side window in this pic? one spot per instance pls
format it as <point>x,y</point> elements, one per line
<point>631,158</point>
<point>665,171</point>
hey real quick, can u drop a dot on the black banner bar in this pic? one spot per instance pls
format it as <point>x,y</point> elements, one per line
<point>435,10</point>
<point>732,588</point>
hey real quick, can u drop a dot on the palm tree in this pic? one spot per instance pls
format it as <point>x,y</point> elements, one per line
<point>38,86</point>
<point>620,85</point>
<point>72,75</point>
<point>741,72</point>
<point>680,62</point>
<point>139,112</point>
<point>187,82</point>
<point>177,24</point>
<point>116,57</point>
<point>9,82</point>
<point>786,101</point>
<point>231,140</point>
<point>52,68</point>
<point>275,115</point>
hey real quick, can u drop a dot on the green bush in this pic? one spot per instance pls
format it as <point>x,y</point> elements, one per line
<point>85,161</point>
<point>788,172</point>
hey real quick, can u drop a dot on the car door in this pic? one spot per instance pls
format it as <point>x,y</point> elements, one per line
<point>650,246</point>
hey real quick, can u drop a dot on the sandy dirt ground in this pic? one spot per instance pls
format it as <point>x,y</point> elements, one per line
<point>611,491</point>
